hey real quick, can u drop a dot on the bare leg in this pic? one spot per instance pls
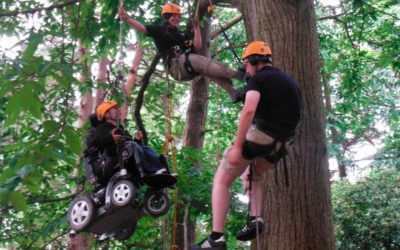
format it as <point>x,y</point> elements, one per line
<point>220,198</point>
<point>256,197</point>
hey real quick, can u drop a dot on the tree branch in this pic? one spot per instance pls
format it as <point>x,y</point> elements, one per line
<point>140,96</point>
<point>226,26</point>
<point>331,17</point>
<point>31,11</point>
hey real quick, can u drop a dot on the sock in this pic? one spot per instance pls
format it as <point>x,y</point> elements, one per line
<point>215,235</point>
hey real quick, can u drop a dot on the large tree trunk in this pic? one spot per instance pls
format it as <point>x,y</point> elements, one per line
<point>300,216</point>
<point>194,134</point>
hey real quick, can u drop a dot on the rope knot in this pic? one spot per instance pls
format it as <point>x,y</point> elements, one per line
<point>170,138</point>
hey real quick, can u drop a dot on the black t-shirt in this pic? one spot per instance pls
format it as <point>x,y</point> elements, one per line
<point>278,110</point>
<point>166,38</point>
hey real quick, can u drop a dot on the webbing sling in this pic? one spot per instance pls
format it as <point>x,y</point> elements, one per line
<point>188,66</point>
<point>273,155</point>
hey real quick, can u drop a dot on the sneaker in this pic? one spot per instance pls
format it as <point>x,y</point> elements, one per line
<point>161,171</point>
<point>219,244</point>
<point>249,231</point>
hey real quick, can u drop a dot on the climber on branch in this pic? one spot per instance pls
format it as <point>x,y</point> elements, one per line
<point>178,50</point>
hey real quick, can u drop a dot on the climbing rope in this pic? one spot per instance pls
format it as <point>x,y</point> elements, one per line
<point>211,11</point>
<point>169,140</point>
<point>251,177</point>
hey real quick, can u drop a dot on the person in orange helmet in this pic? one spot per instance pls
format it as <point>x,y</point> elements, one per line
<point>110,138</point>
<point>267,124</point>
<point>178,50</point>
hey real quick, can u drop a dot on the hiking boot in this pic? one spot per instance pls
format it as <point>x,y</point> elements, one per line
<point>219,244</point>
<point>249,231</point>
<point>238,96</point>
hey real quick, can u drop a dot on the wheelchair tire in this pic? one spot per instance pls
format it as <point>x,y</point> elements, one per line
<point>126,232</point>
<point>156,203</point>
<point>123,193</point>
<point>80,213</point>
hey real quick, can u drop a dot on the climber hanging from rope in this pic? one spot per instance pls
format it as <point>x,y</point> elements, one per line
<point>178,50</point>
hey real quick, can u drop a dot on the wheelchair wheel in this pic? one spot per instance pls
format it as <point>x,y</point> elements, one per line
<point>156,203</point>
<point>126,232</point>
<point>80,213</point>
<point>123,193</point>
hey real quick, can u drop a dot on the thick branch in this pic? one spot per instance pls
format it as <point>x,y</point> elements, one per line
<point>31,11</point>
<point>140,96</point>
<point>226,26</point>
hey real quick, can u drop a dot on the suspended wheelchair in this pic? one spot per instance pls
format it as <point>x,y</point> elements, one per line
<point>113,208</point>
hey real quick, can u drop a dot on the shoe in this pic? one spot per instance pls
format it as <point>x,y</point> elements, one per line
<point>219,244</point>
<point>249,231</point>
<point>238,96</point>
<point>241,72</point>
<point>161,171</point>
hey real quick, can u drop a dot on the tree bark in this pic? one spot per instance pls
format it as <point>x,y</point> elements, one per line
<point>300,216</point>
<point>131,79</point>
<point>194,134</point>
<point>82,242</point>
<point>101,78</point>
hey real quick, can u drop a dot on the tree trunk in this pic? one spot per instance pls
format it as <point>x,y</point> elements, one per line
<point>82,242</point>
<point>334,132</point>
<point>300,216</point>
<point>101,78</point>
<point>194,135</point>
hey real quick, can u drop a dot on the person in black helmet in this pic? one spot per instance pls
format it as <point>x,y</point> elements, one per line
<point>178,50</point>
<point>267,124</point>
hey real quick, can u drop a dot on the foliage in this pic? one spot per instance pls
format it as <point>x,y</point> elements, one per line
<point>366,213</point>
<point>40,93</point>
<point>358,48</point>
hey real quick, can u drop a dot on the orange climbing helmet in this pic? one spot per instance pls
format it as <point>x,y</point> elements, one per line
<point>103,108</point>
<point>256,48</point>
<point>170,8</point>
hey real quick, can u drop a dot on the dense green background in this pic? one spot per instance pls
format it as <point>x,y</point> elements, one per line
<point>39,93</point>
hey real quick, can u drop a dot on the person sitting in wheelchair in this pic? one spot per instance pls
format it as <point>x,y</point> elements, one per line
<point>109,145</point>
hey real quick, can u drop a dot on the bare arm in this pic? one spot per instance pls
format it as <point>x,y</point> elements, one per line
<point>246,116</point>
<point>138,26</point>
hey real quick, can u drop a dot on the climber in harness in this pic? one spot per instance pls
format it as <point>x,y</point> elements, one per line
<point>266,127</point>
<point>108,138</point>
<point>178,50</point>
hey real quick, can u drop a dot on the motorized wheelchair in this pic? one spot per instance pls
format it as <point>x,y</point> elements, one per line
<point>113,208</point>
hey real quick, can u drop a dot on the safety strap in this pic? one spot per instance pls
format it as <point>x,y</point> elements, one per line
<point>277,153</point>
<point>188,65</point>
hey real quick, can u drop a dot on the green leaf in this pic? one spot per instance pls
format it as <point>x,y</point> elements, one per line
<point>18,200</point>
<point>12,110</point>
<point>6,174</point>
<point>4,196</point>
<point>25,170</point>
<point>33,43</point>
<point>32,182</point>
<point>73,140</point>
